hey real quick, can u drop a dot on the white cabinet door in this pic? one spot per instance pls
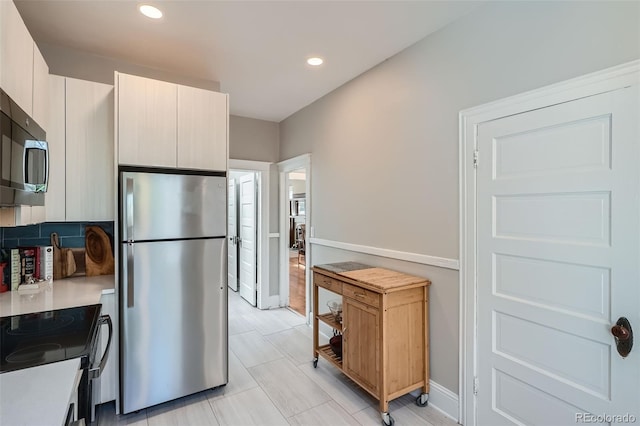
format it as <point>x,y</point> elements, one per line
<point>16,51</point>
<point>147,121</point>
<point>248,251</point>
<point>55,196</point>
<point>40,89</point>
<point>89,151</point>
<point>202,129</point>
<point>40,112</point>
<point>108,388</point>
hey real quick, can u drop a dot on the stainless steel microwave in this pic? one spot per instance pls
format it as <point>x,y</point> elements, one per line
<point>24,157</point>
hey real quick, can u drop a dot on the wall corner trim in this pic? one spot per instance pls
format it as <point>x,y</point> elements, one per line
<point>423,259</point>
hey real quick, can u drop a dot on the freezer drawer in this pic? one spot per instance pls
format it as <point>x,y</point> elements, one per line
<point>173,320</point>
<point>159,206</point>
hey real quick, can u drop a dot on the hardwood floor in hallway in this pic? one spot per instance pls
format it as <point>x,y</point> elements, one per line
<point>297,293</point>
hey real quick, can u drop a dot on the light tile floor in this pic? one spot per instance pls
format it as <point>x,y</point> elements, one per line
<point>272,382</point>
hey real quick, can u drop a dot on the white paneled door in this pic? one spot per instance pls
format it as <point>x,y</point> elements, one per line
<point>558,214</point>
<point>232,235</point>
<point>247,205</point>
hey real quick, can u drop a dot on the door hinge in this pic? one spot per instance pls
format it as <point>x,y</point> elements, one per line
<point>475,386</point>
<point>475,159</point>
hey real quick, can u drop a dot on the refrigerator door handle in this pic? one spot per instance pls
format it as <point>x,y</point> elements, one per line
<point>129,207</point>
<point>129,275</point>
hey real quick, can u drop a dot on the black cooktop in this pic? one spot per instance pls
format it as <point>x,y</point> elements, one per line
<point>42,337</point>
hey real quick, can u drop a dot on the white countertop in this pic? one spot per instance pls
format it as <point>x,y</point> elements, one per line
<point>38,395</point>
<point>65,293</point>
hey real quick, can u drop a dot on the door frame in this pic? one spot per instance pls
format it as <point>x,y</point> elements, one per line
<point>262,170</point>
<point>231,236</point>
<point>284,167</point>
<point>469,119</point>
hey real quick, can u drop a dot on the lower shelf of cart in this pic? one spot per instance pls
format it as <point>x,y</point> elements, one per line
<point>327,353</point>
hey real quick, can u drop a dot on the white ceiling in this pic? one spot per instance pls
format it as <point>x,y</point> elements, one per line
<point>255,49</point>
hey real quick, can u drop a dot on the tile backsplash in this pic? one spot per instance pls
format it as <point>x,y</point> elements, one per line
<point>71,234</point>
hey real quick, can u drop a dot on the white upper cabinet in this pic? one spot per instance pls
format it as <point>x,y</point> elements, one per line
<point>40,89</point>
<point>40,113</point>
<point>89,151</point>
<point>146,121</point>
<point>163,124</point>
<point>16,57</point>
<point>81,178</point>
<point>202,129</point>
<point>24,77</point>
<point>55,197</point>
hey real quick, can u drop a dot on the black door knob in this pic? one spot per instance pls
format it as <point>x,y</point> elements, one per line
<point>623,334</point>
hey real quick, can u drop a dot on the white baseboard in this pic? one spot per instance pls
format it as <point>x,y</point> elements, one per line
<point>271,302</point>
<point>440,398</point>
<point>443,400</point>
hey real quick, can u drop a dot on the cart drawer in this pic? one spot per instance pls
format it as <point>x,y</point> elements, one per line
<point>361,295</point>
<point>328,283</point>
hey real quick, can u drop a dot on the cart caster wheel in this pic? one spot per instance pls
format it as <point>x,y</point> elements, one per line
<point>422,400</point>
<point>315,363</point>
<point>387,420</point>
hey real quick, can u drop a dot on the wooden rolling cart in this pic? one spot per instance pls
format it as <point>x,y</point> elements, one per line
<point>385,333</point>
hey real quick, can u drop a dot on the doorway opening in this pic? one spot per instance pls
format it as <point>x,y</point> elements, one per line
<point>243,234</point>
<point>296,191</point>
<point>247,233</point>
<point>295,230</point>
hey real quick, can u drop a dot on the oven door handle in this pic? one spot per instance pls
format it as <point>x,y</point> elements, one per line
<point>97,371</point>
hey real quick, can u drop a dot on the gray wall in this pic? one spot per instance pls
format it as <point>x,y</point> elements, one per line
<point>87,66</point>
<point>252,139</point>
<point>385,145</point>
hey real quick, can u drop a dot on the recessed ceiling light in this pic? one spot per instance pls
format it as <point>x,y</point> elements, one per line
<point>315,61</point>
<point>150,11</point>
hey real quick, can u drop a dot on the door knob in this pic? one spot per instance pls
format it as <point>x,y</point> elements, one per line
<point>623,334</point>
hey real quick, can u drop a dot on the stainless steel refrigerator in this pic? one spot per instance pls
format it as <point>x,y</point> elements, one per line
<point>173,285</point>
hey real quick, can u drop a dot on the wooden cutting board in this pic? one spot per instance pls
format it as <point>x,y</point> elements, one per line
<point>80,259</point>
<point>98,254</point>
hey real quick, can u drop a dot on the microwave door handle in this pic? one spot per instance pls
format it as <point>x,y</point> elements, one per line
<point>97,371</point>
<point>28,144</point>
<point>46,165</point>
